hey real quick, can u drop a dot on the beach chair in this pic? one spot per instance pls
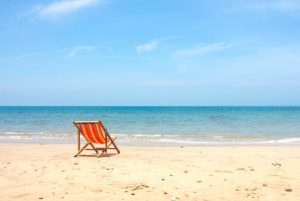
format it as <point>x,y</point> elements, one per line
<point>94,133</point>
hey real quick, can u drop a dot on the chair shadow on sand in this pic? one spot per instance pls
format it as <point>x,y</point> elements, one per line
<point>104,155</point>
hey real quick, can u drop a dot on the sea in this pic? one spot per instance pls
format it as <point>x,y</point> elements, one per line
<point>152,125</point>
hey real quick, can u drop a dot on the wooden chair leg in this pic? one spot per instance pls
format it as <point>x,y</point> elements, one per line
<point>94,148</point>
<point>100,154</point>
<point>113,143</point>
<point>82,149</point>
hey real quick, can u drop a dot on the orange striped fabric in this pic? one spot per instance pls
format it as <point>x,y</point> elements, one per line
<point>93,132</point>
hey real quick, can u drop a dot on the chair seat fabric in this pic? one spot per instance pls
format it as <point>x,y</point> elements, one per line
<point>93,132</point>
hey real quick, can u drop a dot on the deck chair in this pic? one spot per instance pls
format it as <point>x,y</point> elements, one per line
<point>94,133</point>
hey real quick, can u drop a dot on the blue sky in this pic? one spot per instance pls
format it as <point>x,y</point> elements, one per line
<point>159,52</point>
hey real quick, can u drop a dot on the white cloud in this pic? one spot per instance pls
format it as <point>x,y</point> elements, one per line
<point>201,49</point>
<point>271,5</point>
<point>152,45</point>
<point>155,43</point>
<point>76,50</point>
<point>61,7</point>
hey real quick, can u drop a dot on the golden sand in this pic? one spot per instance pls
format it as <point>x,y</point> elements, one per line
<point>50,172</point>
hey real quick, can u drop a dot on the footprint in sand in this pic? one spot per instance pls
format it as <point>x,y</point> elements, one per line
<point>223,171</point>
<point>288,190</point>
<point>22,195</point>
<point>135,187</point>
<point>96,190</point>
<point>251,192</point>
<point>276,164</point>
<point>69,178</point>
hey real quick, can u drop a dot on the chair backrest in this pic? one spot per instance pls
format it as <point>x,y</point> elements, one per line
<point>93,131</point>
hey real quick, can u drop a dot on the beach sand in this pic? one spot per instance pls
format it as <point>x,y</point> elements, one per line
<point>50,172</point>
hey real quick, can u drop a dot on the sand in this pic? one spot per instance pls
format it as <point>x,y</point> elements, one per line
<point>50,172</point>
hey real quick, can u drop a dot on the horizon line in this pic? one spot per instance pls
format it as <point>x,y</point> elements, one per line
<point>149,105</point>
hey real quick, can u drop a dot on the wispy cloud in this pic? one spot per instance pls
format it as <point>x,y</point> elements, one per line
<point>37,54</point>
<point>8,27</point>
<point>61,7</point>
<point>76,50</point>
<point>146,47</point>
<point>155,43</point>
<point>201,49</point>
<point>65,52</point>
<point>271,5</point>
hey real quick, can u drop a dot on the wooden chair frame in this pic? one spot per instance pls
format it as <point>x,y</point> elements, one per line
<point>100,151</point>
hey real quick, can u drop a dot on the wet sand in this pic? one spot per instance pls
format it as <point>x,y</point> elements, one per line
<point>50,172</point>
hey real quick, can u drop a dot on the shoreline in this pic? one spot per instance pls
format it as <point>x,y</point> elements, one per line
<point>159,144</point>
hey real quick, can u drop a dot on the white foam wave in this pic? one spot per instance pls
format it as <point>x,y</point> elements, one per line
<point>23,133</point>
<point>283,141</point>
<point>161,138</point>
<point>279,141</point>
<point>148,135</point>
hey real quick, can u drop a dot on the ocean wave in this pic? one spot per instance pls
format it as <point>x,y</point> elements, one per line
<point>23,133</point>
<point>283,141</point>
<point>207,139</point>
<point>34,135</point>
<point>199,142</point>
<point>150,135</point>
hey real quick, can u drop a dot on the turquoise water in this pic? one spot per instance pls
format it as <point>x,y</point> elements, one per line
<point>189,125</point>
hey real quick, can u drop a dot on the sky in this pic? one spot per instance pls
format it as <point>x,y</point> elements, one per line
<point>142,53</point>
